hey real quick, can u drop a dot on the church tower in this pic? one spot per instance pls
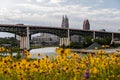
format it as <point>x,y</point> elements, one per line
<point>65,22</point>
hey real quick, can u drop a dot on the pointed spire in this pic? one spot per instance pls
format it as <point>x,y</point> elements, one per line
<point>63,18</point>
<point>65,22</point>
<point>66,17</point>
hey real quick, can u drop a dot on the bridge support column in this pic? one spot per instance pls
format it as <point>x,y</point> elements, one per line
<point>60,41</point>
<point>24,41</point>
<point>64,41</point>
<point>112,38</point>
<point>94,35</point>
<point>68,39</point>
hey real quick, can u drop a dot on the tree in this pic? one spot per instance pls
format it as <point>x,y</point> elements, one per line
<point>103,41</point>
<point>10,40</point>
<point>76,45</point>
<point>87,41</point>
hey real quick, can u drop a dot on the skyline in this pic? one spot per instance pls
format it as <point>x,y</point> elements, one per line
<point>102,14</point>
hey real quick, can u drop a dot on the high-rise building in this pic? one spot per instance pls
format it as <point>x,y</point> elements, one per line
<point>86,25</point>
<point>65,22</point>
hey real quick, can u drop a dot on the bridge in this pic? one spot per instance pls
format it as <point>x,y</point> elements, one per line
<point>25,32</point>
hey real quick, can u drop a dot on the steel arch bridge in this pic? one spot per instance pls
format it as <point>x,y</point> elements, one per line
<point>25,31</point>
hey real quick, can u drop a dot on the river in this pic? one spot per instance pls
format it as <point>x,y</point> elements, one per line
<point>41,52</point>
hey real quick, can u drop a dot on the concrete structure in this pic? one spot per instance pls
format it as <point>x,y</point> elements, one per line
<point>24,40</point>
<point>86,25</point>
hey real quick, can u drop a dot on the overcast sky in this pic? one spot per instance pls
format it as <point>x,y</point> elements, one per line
<point>102,14</point>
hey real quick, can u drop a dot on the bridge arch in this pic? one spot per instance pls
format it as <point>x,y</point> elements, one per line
<point>45,39</point>
<point>57,32</point>
<point>44,34</point>
<point>7,34</point>
<point>26,30</point>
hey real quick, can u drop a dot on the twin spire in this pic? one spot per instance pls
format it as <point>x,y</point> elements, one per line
<point>65,22</point>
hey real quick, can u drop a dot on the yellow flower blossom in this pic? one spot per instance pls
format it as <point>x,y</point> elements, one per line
<point>95,70</point>
<point>64,66</point>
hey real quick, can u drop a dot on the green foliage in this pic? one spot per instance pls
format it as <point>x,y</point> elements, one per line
<point>76,45</point>
<point>115,45</point>
<point>103,41</point>
<point>14,49</point>
<point>18,56</point>
<point>87,42</point>
<point>11,41</point>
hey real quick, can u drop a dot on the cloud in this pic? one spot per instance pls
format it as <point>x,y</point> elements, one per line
<point>29,0</point>
<point>49,12</point>
<point>56,1</point>
<point>42,1</point>
<point>106,14</point>
<point>72,10</point>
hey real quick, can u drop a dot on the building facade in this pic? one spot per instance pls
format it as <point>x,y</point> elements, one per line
<point>86,25</point>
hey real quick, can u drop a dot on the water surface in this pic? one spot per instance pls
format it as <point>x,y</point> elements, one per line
<point>41,52</point>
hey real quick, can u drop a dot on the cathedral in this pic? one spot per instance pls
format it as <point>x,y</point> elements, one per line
<point>65,22</point>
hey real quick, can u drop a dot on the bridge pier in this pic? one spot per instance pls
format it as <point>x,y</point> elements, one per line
<point>25,41</point>
<point>94,35</point>
<point>64,41</point>
<point>112,38</point>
